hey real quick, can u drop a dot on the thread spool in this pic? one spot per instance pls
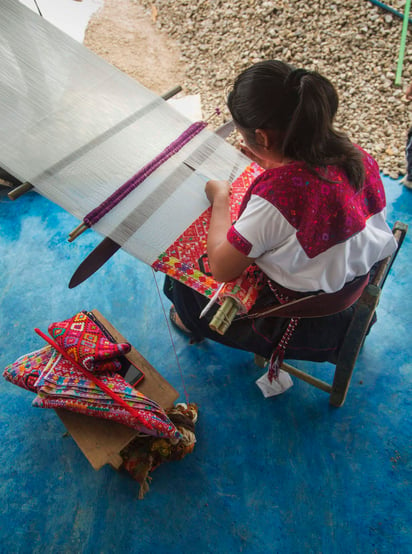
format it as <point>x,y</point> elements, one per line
<point>224,316</point>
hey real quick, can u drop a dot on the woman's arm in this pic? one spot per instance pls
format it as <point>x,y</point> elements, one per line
<point>226,263</point>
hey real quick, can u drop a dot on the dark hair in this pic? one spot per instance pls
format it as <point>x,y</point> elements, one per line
<point>300,107</point>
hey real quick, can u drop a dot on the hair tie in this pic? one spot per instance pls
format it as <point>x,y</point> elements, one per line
<point>294,79</point>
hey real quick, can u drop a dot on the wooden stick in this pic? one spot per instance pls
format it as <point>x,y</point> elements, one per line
<point>212,115</point>
<point>306,377</point>
<point>4,183</point>
<point>20,190</point>
<point>171,92</point>
<point>81,228</point>
<point>403,43</point>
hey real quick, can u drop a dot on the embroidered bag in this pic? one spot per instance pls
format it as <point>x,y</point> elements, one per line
<point>86,344</point>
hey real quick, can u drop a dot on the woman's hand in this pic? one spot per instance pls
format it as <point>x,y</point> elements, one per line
<point>214,189</point>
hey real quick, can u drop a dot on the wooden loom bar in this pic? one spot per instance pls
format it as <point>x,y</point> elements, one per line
<point>82,227</point>
<point>77,231</point>
<point>20,190</point>
<point>95,215</point>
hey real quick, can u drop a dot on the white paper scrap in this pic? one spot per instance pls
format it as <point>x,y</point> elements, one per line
<point>277,386</point>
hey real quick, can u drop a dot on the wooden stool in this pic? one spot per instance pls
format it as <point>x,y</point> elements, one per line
<point>355,335</point>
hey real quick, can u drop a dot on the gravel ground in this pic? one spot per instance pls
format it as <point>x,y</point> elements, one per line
<point>352,42</point>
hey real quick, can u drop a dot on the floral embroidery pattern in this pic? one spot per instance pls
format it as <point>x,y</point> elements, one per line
<point>324,213</point>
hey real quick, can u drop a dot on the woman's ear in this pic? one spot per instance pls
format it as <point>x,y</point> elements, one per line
<point>264,138</point>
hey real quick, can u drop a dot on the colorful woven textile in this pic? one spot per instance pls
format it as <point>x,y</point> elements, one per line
<point>245,289</point>
<point>25,371</point>
<point>186,259</point>
<point>61,383</point>
<point>64,386</point>
<point>86,344</point>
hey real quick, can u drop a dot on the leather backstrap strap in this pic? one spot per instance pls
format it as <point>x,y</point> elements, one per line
<point>316,305</point>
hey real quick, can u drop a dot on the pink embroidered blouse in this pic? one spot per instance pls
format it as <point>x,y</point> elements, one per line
<point>309,234</point>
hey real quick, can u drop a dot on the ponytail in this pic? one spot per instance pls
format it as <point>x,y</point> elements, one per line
<point>300,106</point>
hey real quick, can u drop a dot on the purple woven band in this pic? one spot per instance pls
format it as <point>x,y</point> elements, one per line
<point>95,215</point>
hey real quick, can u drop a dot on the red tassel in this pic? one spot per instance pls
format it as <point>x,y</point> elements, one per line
<point>278,354</point>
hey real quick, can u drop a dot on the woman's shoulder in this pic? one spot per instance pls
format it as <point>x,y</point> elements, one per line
<point>296,180</point>
<point>283,178</point>
<point>287,188</point>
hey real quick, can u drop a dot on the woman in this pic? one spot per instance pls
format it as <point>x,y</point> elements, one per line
<point>407,180</point>
<point>314,220</point>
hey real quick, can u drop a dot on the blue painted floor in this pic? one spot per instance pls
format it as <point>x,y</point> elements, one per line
<point>287,474</point>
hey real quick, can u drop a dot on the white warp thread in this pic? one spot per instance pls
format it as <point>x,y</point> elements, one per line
<point>77,129</point>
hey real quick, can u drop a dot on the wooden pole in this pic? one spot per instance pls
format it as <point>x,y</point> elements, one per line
<point>306,377</point>
<point>20,190</point>
<point>81,228</point>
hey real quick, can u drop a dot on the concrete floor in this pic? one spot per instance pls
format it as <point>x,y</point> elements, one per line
<point>282,475</point>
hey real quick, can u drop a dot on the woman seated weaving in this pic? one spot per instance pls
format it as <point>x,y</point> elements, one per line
<point>313,221</point>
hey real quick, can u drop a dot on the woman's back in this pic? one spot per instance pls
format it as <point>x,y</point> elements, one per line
<point>307,233</point>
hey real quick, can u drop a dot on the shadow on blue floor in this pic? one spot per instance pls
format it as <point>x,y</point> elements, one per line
<point>287,475</point>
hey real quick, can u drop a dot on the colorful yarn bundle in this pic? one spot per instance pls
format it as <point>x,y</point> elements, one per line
<point>145,454</point>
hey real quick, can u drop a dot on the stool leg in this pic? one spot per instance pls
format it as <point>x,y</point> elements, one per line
<point>260,361</point>
<point>352,344</point>
<point>340,386</point>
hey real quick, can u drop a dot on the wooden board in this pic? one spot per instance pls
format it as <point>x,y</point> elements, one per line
<point>101,441</point>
